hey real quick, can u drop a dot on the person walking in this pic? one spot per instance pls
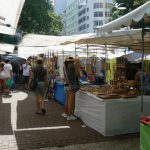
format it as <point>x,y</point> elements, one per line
<point>8,75</point>
<point>26,72</point>
<point>2,77</point>
<point>39,75</point>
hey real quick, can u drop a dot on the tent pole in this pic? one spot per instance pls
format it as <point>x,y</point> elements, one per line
<point>87,57</point>
<point>105,62</point>
<point>63,54</point>
<point>142,85</point>
<point>75,51</point>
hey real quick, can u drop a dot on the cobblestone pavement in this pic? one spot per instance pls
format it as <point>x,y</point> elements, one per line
<point>21,128</point>
<point>124,144</point>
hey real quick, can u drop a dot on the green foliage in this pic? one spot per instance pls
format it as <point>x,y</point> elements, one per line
<point>10,39</point>
<point>130,4</point>
<point>38,17</point>
<point>139,2</point>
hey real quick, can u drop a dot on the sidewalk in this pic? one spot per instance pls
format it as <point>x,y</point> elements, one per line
<point>21,128</point>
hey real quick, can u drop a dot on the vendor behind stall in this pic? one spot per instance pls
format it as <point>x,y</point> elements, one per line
<point>83,75</point>
<point>91,77</point>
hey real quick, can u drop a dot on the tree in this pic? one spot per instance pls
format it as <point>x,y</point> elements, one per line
<point>139,2</point>
<point>130,4</point>
<point>38,17</point>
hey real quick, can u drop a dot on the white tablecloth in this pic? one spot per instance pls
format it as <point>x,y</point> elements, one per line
<point>113,116</point>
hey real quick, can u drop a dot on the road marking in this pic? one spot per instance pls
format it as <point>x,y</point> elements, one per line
<point>16,96</point>
<point>9,141</point>
<point>44,128</point>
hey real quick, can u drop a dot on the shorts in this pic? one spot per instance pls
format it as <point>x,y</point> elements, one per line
<point>40,89</point>
<point>25,79</point>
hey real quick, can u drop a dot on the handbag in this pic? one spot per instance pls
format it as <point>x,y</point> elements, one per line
<point>33,85</point>
<point>74,87</point>
<point>34,82</point>
<point>9,83</point>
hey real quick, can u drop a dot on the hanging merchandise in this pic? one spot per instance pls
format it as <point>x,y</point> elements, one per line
<point>110,70</point>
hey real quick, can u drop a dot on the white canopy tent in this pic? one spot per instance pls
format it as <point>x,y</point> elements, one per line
<point>6,48</point>
<point>35,40</point>
<point>2,18</point>
<point>68,50</point>
<point>134,57</point>
<point>124,38</point>
<point>10,11</point>
<point>126,20</point>
<point>34,44</point>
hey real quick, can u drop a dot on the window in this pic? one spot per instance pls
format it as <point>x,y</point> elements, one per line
<point>83,27</point>
<point>98,14</point>
<point>81,12</point>
<point>82,19</point>
<point>80,6</point>
<point>107,14</point>
<point>98,22</point>
<point>108,5</point>
<point>97,5</point>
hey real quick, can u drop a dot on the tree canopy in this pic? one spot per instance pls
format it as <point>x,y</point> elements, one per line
<point>130,5</point>
<point>38,17</point>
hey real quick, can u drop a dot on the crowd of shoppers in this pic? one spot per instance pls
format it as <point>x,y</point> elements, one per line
<point>22,75</point>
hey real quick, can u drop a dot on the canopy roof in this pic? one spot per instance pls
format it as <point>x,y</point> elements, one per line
<point>126,20</point>
<point>127,38</point>
<point>10,11</point>
<point>36,40</point>
<point>6,48</point>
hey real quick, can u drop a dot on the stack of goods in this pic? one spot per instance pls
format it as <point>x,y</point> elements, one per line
<point>126,89</point>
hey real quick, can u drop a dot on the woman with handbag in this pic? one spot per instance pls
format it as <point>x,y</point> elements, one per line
<point>39,77</point>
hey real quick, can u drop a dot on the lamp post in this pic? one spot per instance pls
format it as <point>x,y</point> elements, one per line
<point>123,6</point>
<point>3,24</point>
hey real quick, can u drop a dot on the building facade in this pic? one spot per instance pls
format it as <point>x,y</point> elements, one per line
<point>71,17</point>
<point>83,16</point>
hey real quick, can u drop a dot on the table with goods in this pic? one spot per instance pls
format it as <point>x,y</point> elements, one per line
<point>111,109</point>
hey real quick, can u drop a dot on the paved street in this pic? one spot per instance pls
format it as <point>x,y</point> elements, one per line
<point>21,128</point>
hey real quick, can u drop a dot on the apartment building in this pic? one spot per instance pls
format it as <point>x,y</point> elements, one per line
<point>83,16</point>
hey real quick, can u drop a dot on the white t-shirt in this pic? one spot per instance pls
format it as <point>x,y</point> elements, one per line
<point>2,75</point>
<point>26,70</point>
<point>7,69</point>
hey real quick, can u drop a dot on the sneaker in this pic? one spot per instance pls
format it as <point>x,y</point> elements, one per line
<point>73,117</point>
<point>68,117</point>
<point>38,113</point>
<point>64,115</point>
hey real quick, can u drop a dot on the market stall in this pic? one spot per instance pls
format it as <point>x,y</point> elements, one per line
<point>110,116</point>
<point>118,109</point>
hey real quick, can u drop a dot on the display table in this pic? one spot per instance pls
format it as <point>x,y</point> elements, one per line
<point>59,93</point>
<point>113,116</point>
